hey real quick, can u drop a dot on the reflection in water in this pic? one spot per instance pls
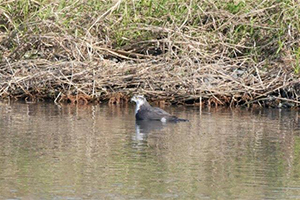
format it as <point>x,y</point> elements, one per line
<point>98,152</point>
<point>143,128</point>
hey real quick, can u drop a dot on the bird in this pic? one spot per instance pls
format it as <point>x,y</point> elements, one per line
<point>144,111</point>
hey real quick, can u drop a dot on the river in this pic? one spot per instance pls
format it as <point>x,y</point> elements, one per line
<point>100,152</point>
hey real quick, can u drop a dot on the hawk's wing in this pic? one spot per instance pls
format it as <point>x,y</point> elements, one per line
<point>152,113</point>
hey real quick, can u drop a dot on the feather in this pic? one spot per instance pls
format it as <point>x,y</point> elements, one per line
<point>144,111</point>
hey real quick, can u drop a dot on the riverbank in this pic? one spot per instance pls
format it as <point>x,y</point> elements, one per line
<point>213,53</point>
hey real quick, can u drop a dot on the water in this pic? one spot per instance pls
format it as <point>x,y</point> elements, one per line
<point>98,152</point>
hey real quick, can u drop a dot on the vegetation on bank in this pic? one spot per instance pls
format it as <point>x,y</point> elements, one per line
<point>214,52</point>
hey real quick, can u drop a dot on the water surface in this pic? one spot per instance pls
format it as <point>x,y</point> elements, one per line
<point>99,152</point>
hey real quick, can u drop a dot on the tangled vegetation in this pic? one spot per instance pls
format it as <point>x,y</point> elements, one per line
<point>232,52</point>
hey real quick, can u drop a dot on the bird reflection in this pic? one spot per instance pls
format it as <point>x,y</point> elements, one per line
<point>143,128</point>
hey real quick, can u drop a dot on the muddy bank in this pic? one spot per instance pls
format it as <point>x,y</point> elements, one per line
<point>173,82</point>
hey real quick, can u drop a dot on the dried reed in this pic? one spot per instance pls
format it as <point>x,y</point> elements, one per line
<point>213,51</point>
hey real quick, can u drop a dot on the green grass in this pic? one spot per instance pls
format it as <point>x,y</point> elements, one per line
<point>258,29</point>
<point>297,61</point>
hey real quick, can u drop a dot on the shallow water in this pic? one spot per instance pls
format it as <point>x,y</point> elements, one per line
<point>98,152</point>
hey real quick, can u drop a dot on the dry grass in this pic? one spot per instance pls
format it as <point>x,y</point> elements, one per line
<point>215,53</point>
